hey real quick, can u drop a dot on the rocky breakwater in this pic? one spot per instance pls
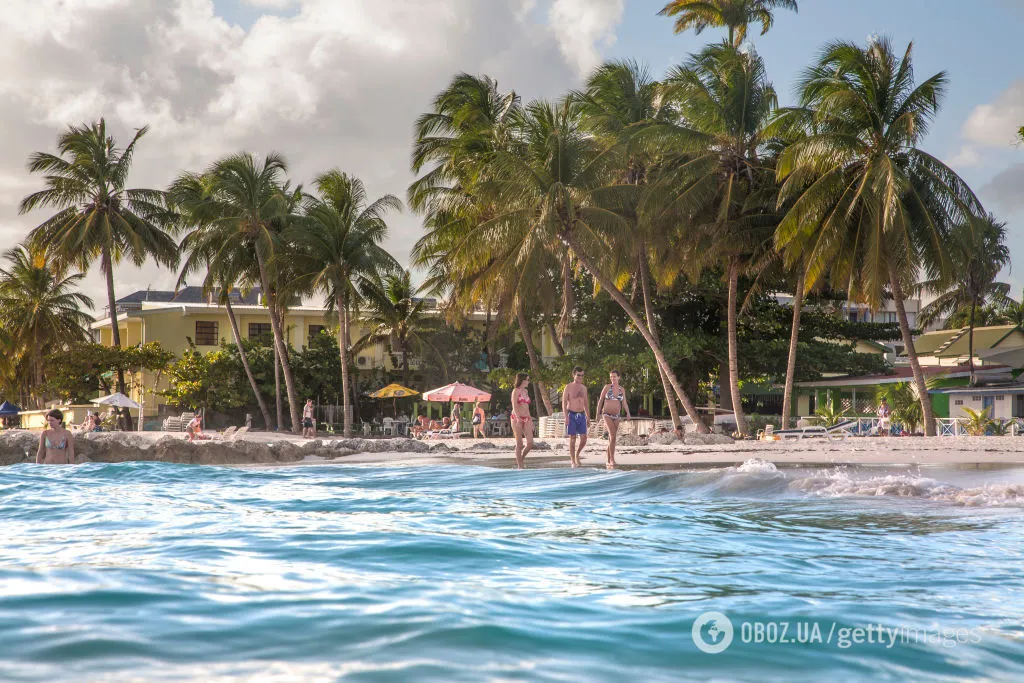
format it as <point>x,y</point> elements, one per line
<point>18,446</point>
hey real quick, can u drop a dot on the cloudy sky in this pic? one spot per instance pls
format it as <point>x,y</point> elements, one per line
<point>338,83</point>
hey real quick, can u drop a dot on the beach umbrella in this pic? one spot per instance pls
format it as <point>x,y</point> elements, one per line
<point>394,391</point>
<point>7,408</point>
<point>456,392</point>
<point>116,399</point>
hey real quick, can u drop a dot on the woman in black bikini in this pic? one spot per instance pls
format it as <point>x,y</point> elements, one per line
<point>609,407</point>
<point>522,423</point>
<point>56,445</point>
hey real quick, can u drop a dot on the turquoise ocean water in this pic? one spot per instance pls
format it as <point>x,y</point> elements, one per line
<point>145,571</point>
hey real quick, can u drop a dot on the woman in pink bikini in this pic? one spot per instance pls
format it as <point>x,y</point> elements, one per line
<point>522,423</point>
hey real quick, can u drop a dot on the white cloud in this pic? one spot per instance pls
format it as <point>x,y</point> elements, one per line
<point>331,84</point>
<point>993,125</point>
<point>582,27</point>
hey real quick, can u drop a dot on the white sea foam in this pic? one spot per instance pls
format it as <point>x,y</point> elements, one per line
<point>840,483</point>
<point>757,466</point>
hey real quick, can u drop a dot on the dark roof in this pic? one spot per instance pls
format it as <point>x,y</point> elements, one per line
<point>187,295</point>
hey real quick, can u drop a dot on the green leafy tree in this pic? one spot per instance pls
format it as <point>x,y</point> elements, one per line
<point>338,252</point>
<point>879,207</point>
<point>904,406</point>
<point>735,15</point>
<point>248,203</point>
<point>723,183</point>
<point>98,217</point>
<point>40,312</point>
<point>206,382</point>
<point>398,318</point>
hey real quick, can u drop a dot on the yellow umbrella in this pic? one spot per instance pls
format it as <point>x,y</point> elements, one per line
<point>394,391</point>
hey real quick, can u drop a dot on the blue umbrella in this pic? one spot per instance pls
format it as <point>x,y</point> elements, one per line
<point>7,408</point>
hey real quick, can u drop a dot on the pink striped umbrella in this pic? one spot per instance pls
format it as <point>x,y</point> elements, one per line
<point>457,392</point>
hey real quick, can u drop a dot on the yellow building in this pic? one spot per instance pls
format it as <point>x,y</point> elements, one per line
<point>174,318</point>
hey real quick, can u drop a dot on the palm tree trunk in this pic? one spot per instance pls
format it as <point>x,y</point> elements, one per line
<point>645,286</point>
<point>282,349</point>
<point>405,361</point>
<point>107,266</point>
<point>277,390</point>
<point>524,330</point>
<point>245,363</point>
<point>559,349</point>
<point>568,303</point>
<point>908,343</point>
<point>970,342</point>
<point>734,367</point>
<point>659,355</point>
<point>787,392</point>
<point>343,350</point>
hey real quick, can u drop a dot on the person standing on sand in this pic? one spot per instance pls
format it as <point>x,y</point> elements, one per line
<point>522,423</point>
<point>478,420</point>
<point>56,445</point>
<point>609,407</point>
<point>576,405</point>
<point>883,417</point>
<point>308,423</point>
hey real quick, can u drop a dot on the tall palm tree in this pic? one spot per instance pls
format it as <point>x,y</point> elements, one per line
<point>621,100</point>
<point>249,204</point>
<point>98,217</point>
<point>977,253</point>
<point>398,317</point>
<point>723,180</point>
<point>225,264</point>
<point>868,205</point>
<point>736,15</point>
<point>553,188</point>
<point>40,310</point>
<point>338,252</point>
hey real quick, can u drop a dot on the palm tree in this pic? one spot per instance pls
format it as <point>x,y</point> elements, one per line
<point>977,252</point>
<point>248,205</point>
<point>723,182</point>
<point>400,318</point>
<point>1012,311</point>
<point>40,310</point>
<point>736,15</point>
<point>225,264</point>
<point>868,205</point>
<point>619,102</point>
<point>551,191</point>
<point>97,216</point>
<point>339,252</point>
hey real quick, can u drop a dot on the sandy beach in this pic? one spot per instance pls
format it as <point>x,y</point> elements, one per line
<point>266,448</point>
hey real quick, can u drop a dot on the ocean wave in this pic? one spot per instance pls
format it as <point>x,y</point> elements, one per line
<point>842,483</point>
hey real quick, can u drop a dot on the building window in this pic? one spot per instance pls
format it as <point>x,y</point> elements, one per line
<point>259,330</point>
<point>958,402</point>
<point>361,360</point>
<point>853,316</point>
<point>976,399</point>
<point>999,398</point>
<point>206,333</point>
<point>314,330</point>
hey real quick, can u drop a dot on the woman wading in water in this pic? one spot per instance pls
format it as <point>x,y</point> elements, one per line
<point>522,423</point>
<point>609,407</point>
<point>56,445</point>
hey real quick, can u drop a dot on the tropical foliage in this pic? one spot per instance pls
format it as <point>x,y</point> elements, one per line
<point>643,224</point>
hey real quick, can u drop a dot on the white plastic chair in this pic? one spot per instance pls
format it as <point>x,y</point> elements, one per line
<point>389,427</point>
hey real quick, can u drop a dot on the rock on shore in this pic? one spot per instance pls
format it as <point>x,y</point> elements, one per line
<point>20,446</point>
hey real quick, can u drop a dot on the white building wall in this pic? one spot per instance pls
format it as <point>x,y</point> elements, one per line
<point>1002,405</point>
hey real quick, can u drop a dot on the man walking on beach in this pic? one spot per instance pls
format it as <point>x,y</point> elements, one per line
<point>577,414</point>
<point>308,423</point>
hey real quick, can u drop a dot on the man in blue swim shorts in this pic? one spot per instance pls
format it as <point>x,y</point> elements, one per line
<point>577,414</point>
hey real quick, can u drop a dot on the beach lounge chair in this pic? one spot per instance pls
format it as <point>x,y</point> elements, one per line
<point>225,435</point>
<point>834,433</point>
<point>238,432</point>
<point>172,424</point>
